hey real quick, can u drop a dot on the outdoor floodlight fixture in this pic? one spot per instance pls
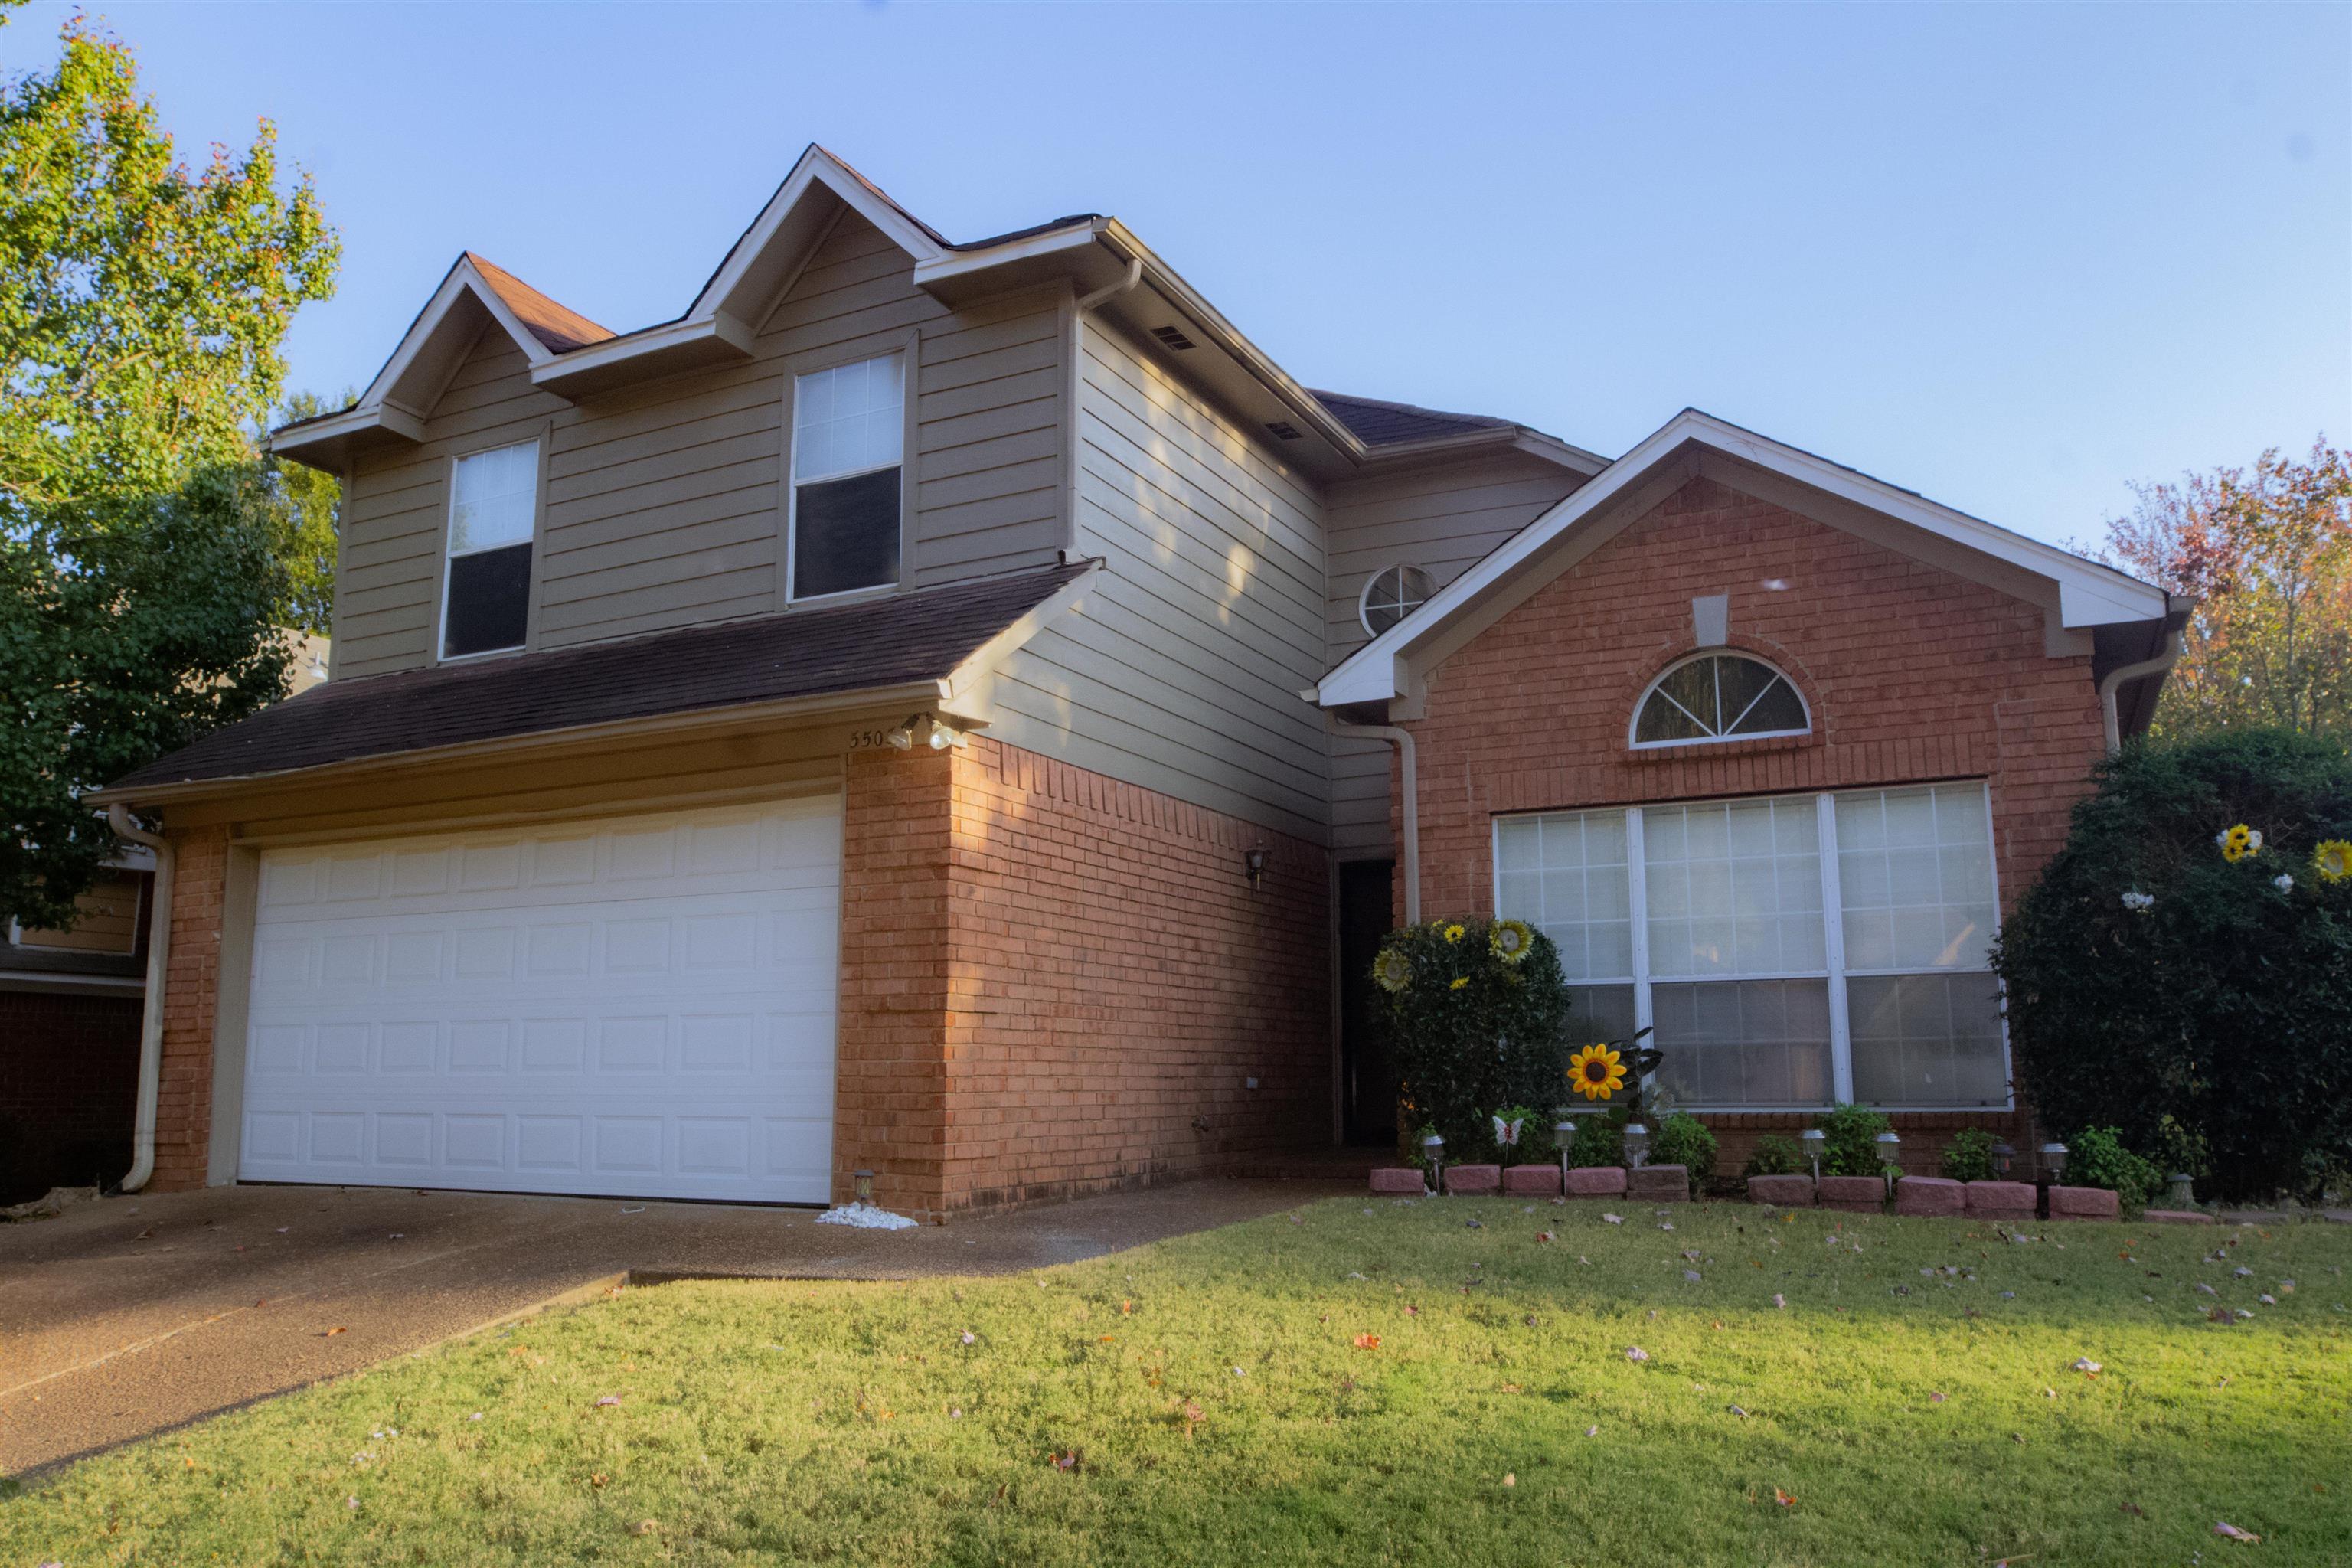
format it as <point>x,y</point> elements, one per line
<point>1637,1144</point>
<point>2054,1155</point>
<point>1814,1138</point>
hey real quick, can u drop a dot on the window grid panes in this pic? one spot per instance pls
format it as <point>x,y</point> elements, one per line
<point>849,419</point>
<point>494,497</point>
<point>1738,978</point>
<point>486,581</point>
<point>1392,596</point>
<point>1719,697</point>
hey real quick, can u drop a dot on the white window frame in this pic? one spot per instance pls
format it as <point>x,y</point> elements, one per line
<point>1634,720</point>
<point>1364,595</point>
<point>908,361</point>
<point>1637,904</point>
<point>449,534</point>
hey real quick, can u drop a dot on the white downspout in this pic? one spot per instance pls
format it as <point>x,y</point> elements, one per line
<point>2115,679</point>
<point>1074,353</point>
<point>151,1023</point>
<point>1411,848</point>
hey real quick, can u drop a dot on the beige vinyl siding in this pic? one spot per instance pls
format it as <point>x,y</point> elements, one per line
<point>665,502</point>
<point>1440,520</point>
<point>106,920</point>
<point>1182,669</point>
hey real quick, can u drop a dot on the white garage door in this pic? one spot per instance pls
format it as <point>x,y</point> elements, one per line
<point>641,1006</point>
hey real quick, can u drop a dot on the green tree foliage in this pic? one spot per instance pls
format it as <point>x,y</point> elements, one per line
<point>305,507</point>
<point>141,574</point>
<point>2268,555</point>
<point>2204,1019</point>
<point>1475,1030</point>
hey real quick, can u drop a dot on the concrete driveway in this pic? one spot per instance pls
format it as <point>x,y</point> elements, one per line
<point>133,1315</point>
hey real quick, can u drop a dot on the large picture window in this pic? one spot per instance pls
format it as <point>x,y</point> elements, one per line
<point>493,514</point>
<point>1790,952</point>
<point>849,434</point>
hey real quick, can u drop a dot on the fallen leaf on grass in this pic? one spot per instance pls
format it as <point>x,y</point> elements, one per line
<point>604,1399</point>
<point>1737,1411</point>
<point>1069,1461</point>
<point>1367,1342</point>
<point>1780,1300</point>
<point>1546,1236</point>
<point>2231,1533</point>
<point>2134,1509</point>
<point>1509,1479</point>
<point>1612,1219</point>
<point>1936,1398</point>
<point>598,1480</point>
<point>1635,1352</point>
<point>2083,1364</point>
<point>1593,1431</point>
<point>644,1527</point>
<point>1784,1498</point>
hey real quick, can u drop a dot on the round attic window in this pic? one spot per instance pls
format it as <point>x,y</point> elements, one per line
<point>1391,595</point>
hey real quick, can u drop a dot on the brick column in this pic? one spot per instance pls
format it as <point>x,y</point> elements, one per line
<point>184,1104</point>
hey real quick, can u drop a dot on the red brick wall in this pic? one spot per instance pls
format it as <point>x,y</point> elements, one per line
<point>1912,675</point>
<point>69,1089</point>
<point>1115,980</point>
<point>183,1099</point>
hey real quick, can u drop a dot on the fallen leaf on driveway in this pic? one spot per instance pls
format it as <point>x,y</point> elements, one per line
<point>331,1333</point>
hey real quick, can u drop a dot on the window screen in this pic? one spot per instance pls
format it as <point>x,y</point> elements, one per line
<point>493,512</point>
<point>849,426</point>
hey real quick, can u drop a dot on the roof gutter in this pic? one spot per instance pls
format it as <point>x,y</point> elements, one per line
<point>2115,679</point>
<point>151,1018</point>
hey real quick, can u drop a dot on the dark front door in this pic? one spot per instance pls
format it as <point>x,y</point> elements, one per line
<point>1366,916</point>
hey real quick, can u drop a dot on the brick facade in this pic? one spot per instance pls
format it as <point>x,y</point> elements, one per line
<point>1053,983</point>
<point>69,1089</point>
<point>1912,674</point>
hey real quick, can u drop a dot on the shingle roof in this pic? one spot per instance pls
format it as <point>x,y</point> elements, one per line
<point>560,327</point>
<point>1378,423</point>
<point>902,640</point>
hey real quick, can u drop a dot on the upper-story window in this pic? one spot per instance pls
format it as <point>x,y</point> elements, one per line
<point>849,436</point>
<point>493,514</point>
<point>1719,697</point>
<point>1391,595</point>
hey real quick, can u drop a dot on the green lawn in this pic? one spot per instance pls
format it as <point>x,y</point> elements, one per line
<point>1220,1408</point>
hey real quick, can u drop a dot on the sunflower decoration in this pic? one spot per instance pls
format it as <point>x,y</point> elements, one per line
<point>2332,859</point>
<point>1455,932</point>
<point>2238,842</point>
<point>1596,1072</point>
<point>1512,940</point>
<point>1392,970</point>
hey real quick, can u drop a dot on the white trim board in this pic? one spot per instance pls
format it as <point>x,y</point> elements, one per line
<point>2086,594</point>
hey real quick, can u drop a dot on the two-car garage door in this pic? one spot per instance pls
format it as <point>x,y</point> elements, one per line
<point>640,1006</point>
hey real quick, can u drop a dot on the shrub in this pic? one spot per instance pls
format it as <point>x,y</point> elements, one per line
<point>1600,1138</point>
<point>1968,1156</point>
<point>1478,1011</point>
<point>1850,1146</point>
<point>1776,1154</point>
<point>2095,1157</point>
<point>2204,1018</point>
<point>1683,1139</point>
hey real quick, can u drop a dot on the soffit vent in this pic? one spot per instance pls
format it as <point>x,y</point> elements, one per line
<point>1284,428</point>
<point>1172,338</point>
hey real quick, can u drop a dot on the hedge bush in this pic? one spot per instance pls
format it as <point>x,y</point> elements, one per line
<point>2186,999</point>
<point>1850,1141</point>
<point>1776,1154</point>
<point>2095,1157</point>
<point>1968,1156</point>
<point>1478,1013</point>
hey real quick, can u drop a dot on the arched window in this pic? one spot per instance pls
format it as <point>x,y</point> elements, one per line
<point>1391,595</point>
<point>1719,697</point>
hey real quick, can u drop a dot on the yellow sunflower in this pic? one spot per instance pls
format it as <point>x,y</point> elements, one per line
<point>1511,941</point>
<point>2238,842</point>
<point>1596,1072</point>
<point>2332,859</point>
<point>1453,933</point>
<point>1392,970</point>
<point>1459,981</point>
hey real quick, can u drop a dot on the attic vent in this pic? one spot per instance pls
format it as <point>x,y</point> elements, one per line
<point>1284,428</point>
<point>1172,338</point>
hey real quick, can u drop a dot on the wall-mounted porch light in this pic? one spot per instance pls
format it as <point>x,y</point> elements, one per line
<point>1254,865</point>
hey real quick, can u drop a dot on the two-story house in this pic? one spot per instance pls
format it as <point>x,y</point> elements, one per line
<point>962,712</point>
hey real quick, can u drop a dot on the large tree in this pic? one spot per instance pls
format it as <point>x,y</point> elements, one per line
<point>2268,553</point>
<point>143,544</point>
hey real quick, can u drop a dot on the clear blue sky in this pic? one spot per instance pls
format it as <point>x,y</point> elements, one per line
<point>2014,256</point>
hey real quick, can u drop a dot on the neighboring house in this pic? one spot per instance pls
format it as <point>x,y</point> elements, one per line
<point>896,716</point>
<point>69,1012</point>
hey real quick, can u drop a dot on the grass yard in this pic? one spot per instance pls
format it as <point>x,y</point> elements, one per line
<point>1393,1384</point>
